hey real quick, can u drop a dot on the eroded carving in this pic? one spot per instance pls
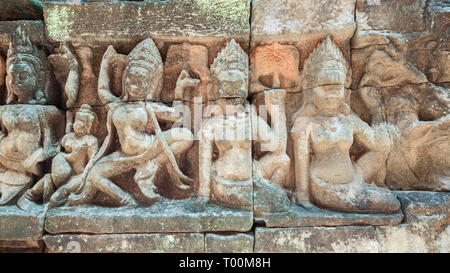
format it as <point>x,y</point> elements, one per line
<point>143,146</point>
<point>30,132</point>
<point>325,129</point>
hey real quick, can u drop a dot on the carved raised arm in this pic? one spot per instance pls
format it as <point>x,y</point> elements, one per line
<point>104,89</point>
<point>374,138</point>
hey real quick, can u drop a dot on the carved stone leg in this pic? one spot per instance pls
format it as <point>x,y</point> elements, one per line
<point>11,184</point>
<point>35,194</point>
<point>112,165</point>
<point>275,167</point>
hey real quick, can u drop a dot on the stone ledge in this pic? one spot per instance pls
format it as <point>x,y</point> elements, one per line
<point>167,217</point>
<point>125,243</point>
<point>234,243</point>
<point>316,239</point>
<point>300,217</point>
<point>176,20</point>
<point>18,225</point>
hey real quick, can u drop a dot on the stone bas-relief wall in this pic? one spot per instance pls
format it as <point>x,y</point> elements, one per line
<point>302,126</point>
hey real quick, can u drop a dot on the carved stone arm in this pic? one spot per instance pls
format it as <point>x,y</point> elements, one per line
<point>300,134</point>
<point>104,89</point>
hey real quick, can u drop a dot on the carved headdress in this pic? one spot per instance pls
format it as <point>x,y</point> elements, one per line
<point>325,66</point>
<point>230,67</point>
<point>21,50</point>
<point>146,55</point>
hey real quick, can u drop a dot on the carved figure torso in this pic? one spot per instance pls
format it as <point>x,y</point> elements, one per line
<point>234,145</point>
<point>77,149</point>
<point>22,125</point>
<point>331,141</point>
<point>130,121</point>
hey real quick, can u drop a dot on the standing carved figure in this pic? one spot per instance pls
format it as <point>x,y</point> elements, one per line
<point>30,130</point>
<point>144,148</point>
<point>227,179</point>
<point>323,131</point>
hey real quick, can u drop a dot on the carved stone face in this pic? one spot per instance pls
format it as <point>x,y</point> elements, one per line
<point>328,97</point>
<point>138,82</point>
<point>232,84</point>
<point>23,78</point>
<point>83,124</point>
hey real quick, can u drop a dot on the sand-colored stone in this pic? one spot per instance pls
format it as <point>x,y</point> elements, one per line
<point>316,239</point>
<point>169,21</point>
<point>125,243</point>
<point>233,243</point>
<point>170,216</point>
<point>16,224</point>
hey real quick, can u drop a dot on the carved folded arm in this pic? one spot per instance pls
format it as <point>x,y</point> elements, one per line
<point>164,112</point>
<point>374,138</point>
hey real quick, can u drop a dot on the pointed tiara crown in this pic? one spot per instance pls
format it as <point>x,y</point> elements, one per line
<point>232,57</point>
<point>146,55</point>
<point>325,66</point>
<point>21,48</point>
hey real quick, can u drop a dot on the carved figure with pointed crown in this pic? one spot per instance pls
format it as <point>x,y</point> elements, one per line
<point>30,131</point>
<point>323,131</point>
<point>227,178</point>
<point>133,117</point>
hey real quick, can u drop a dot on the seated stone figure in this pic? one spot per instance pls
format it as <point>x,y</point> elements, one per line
<point>144,148</point>
<point>227,178</point>
<point>67,168</point>
<point>323,131</point>
<point>30,129</point>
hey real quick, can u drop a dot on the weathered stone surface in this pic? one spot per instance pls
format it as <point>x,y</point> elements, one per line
<point>194,20</point>
<point>303,24</point>
<point>316,239</point>
<point>31,246</point>
<point>168,216</point>
<point>125,243</point>
<point>275,66</point>
<point>34,29</point>
<point>21,10</point>
<point>16,224</point>
<point>235,243</point>
<point>421,206</point>
<point>426,227</point>
<point>400,15</point>
<point>313,216</point>
<point>269,198</point>
<point>413,238</point>
<point>291,20</point>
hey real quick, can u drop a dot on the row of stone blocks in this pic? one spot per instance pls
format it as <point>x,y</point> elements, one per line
<point>425,228</point>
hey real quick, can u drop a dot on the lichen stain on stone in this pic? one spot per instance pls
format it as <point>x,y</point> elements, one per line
<point>58,22</point>
<point>230,10</point>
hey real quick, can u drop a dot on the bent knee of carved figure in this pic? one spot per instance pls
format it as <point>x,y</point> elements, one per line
<point>179,139</point>
<point>275,167</point>
<point>61,170</point>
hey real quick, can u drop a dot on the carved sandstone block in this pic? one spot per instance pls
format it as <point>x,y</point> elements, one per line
<point>391,15</point>
<point>126,243</point>
<point>16,224</point>
<point>168,216</point>
<point>233,243</point>
<point>303,23</point>
<point>350,239</point>
<point>167,22</point>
